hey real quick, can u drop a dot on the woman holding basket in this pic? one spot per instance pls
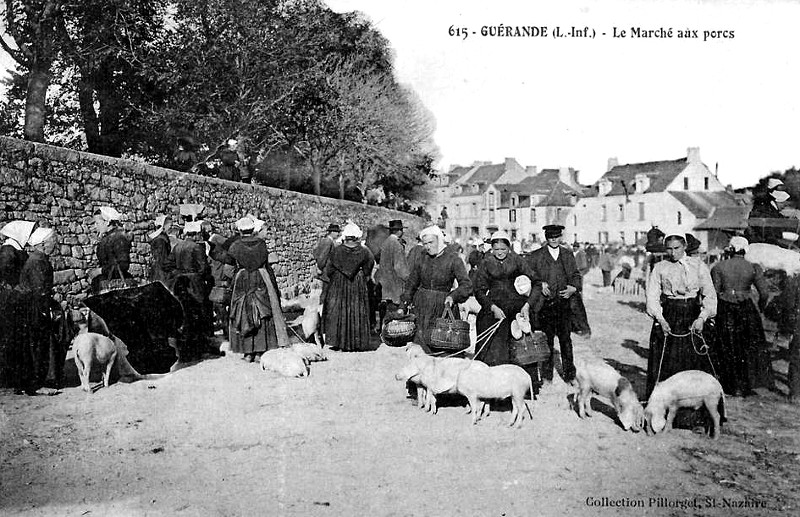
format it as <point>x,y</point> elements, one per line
<point>500,300</point>
<point>430,285</point>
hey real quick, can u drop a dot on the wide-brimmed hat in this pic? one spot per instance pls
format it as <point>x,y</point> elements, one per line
<point>552,230</point>
<point>739,243</point>
<point>692,243</point>
<point>40,235</point>
<point>190,211</point>
<point>500,236</point>
<point>19,231</point>
<point>109,213</point>
<point>352,230</point>
<point>245,223</point>
<point>395,225</point>
<point>522,284</point>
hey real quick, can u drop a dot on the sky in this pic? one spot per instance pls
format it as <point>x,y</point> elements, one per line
<point>576,102</point>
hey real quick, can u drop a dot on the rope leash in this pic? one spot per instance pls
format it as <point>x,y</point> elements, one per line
<point>703,350</point>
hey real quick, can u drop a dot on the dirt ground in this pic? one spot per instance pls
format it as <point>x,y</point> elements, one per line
<point>224,438</point>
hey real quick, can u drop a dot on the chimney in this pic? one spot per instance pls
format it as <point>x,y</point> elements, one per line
<point>568,175</point>
<point>513,165</point>
<point>612,162</point>
<point>693,155</point>
<point>530,171</point>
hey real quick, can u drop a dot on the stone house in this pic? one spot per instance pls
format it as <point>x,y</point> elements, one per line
<point>486,197</point>
<point>675,195</point>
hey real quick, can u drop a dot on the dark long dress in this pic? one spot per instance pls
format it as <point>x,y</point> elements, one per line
<point>346,308</point>
<point>251,327</point>
<point>11,262</point>
<point>430,282</point>
<point>741,349</point>
<point>494,285</point>
<point>37,356</point>
<point>191,284</point>
<point>114,256</point>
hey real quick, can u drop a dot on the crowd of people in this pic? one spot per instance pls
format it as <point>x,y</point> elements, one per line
<point>226,284</point>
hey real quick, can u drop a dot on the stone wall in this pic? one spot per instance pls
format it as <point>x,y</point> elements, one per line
<point>62,188</point>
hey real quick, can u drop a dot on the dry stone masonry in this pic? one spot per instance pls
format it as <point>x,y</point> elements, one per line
<point>62,188</point>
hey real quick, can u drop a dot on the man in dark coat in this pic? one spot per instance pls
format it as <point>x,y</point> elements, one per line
<point>322,253</point>
<point>393,271</point>
<point>160,248</point>
<point>555,265</point>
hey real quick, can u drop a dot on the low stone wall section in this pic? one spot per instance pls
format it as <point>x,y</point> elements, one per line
<point>62,188</point>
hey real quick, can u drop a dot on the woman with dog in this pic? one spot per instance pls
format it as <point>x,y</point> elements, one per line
<point>346,309</point>
<point>744,362</point>
<point>499,299</point>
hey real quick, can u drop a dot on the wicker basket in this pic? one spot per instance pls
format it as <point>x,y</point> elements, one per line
<point>448,333</point>
<point>531,348</point>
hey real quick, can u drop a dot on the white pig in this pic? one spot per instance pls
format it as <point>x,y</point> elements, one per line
<point>440,375</point>
<point>310,351</point>
<point>496,382</point>
<point>600,378</point>
<point>284,361</point>
<point>687,389</point>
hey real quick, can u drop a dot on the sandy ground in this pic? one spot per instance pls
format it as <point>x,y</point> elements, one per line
<point>224,438</point>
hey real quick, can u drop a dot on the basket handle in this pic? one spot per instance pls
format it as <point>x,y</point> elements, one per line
<point>448,313</point>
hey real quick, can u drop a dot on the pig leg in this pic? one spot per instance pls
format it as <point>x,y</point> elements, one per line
<point>420,397</point>
<point>432,402</point>
<point>671,412</point>
<point>711,406</point>
<point>485,409</point>
<point>83,373</point>
<point>516,414</point>
<point>476,409</point>
<point>109,366</point>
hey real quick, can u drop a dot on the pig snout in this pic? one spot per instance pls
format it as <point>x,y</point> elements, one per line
<point>407,373</point>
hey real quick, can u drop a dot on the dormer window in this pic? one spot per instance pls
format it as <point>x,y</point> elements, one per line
<point>514,200</point>
<point>642,183</point>
<point>476,188</point>
<point>604,187</point>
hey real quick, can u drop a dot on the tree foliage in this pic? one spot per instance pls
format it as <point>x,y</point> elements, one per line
<point>309,95</point>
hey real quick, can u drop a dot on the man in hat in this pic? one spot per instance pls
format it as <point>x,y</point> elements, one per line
<point>551,312</point>
<point>160,246</point>
<point>581,260</point>
<point>322,252</point>
<point>692,245</point>
<point>393,270</point>
<point>114,247</point>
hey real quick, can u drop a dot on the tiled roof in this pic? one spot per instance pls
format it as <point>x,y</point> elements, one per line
<point>660,173</point>
<point>702,204</point>
<point>467,190</point>
<point>486,173</point>
<point>726,218</point>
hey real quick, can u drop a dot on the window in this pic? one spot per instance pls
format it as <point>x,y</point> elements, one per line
<point>491,201</point>
<point>574,219</point>
<point>458,210</point>
<point>474,211</point>
<point>705,183</point>
<point>641,211</point>
<point>533,215</point>
<point>514,200</point>
<point>602,237</point>
<point>458,231</point>
<point>513,234</point>
<point>491,216</point>
<point>620,212</point>
<point>685,183</point>
<point>622,237</point>
<point>512,216</point>
<point>558,215</point>
<point>680,217</point>
<point>604,214</point>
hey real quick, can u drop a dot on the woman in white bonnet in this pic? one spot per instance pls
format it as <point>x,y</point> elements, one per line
<point>346,306</point>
